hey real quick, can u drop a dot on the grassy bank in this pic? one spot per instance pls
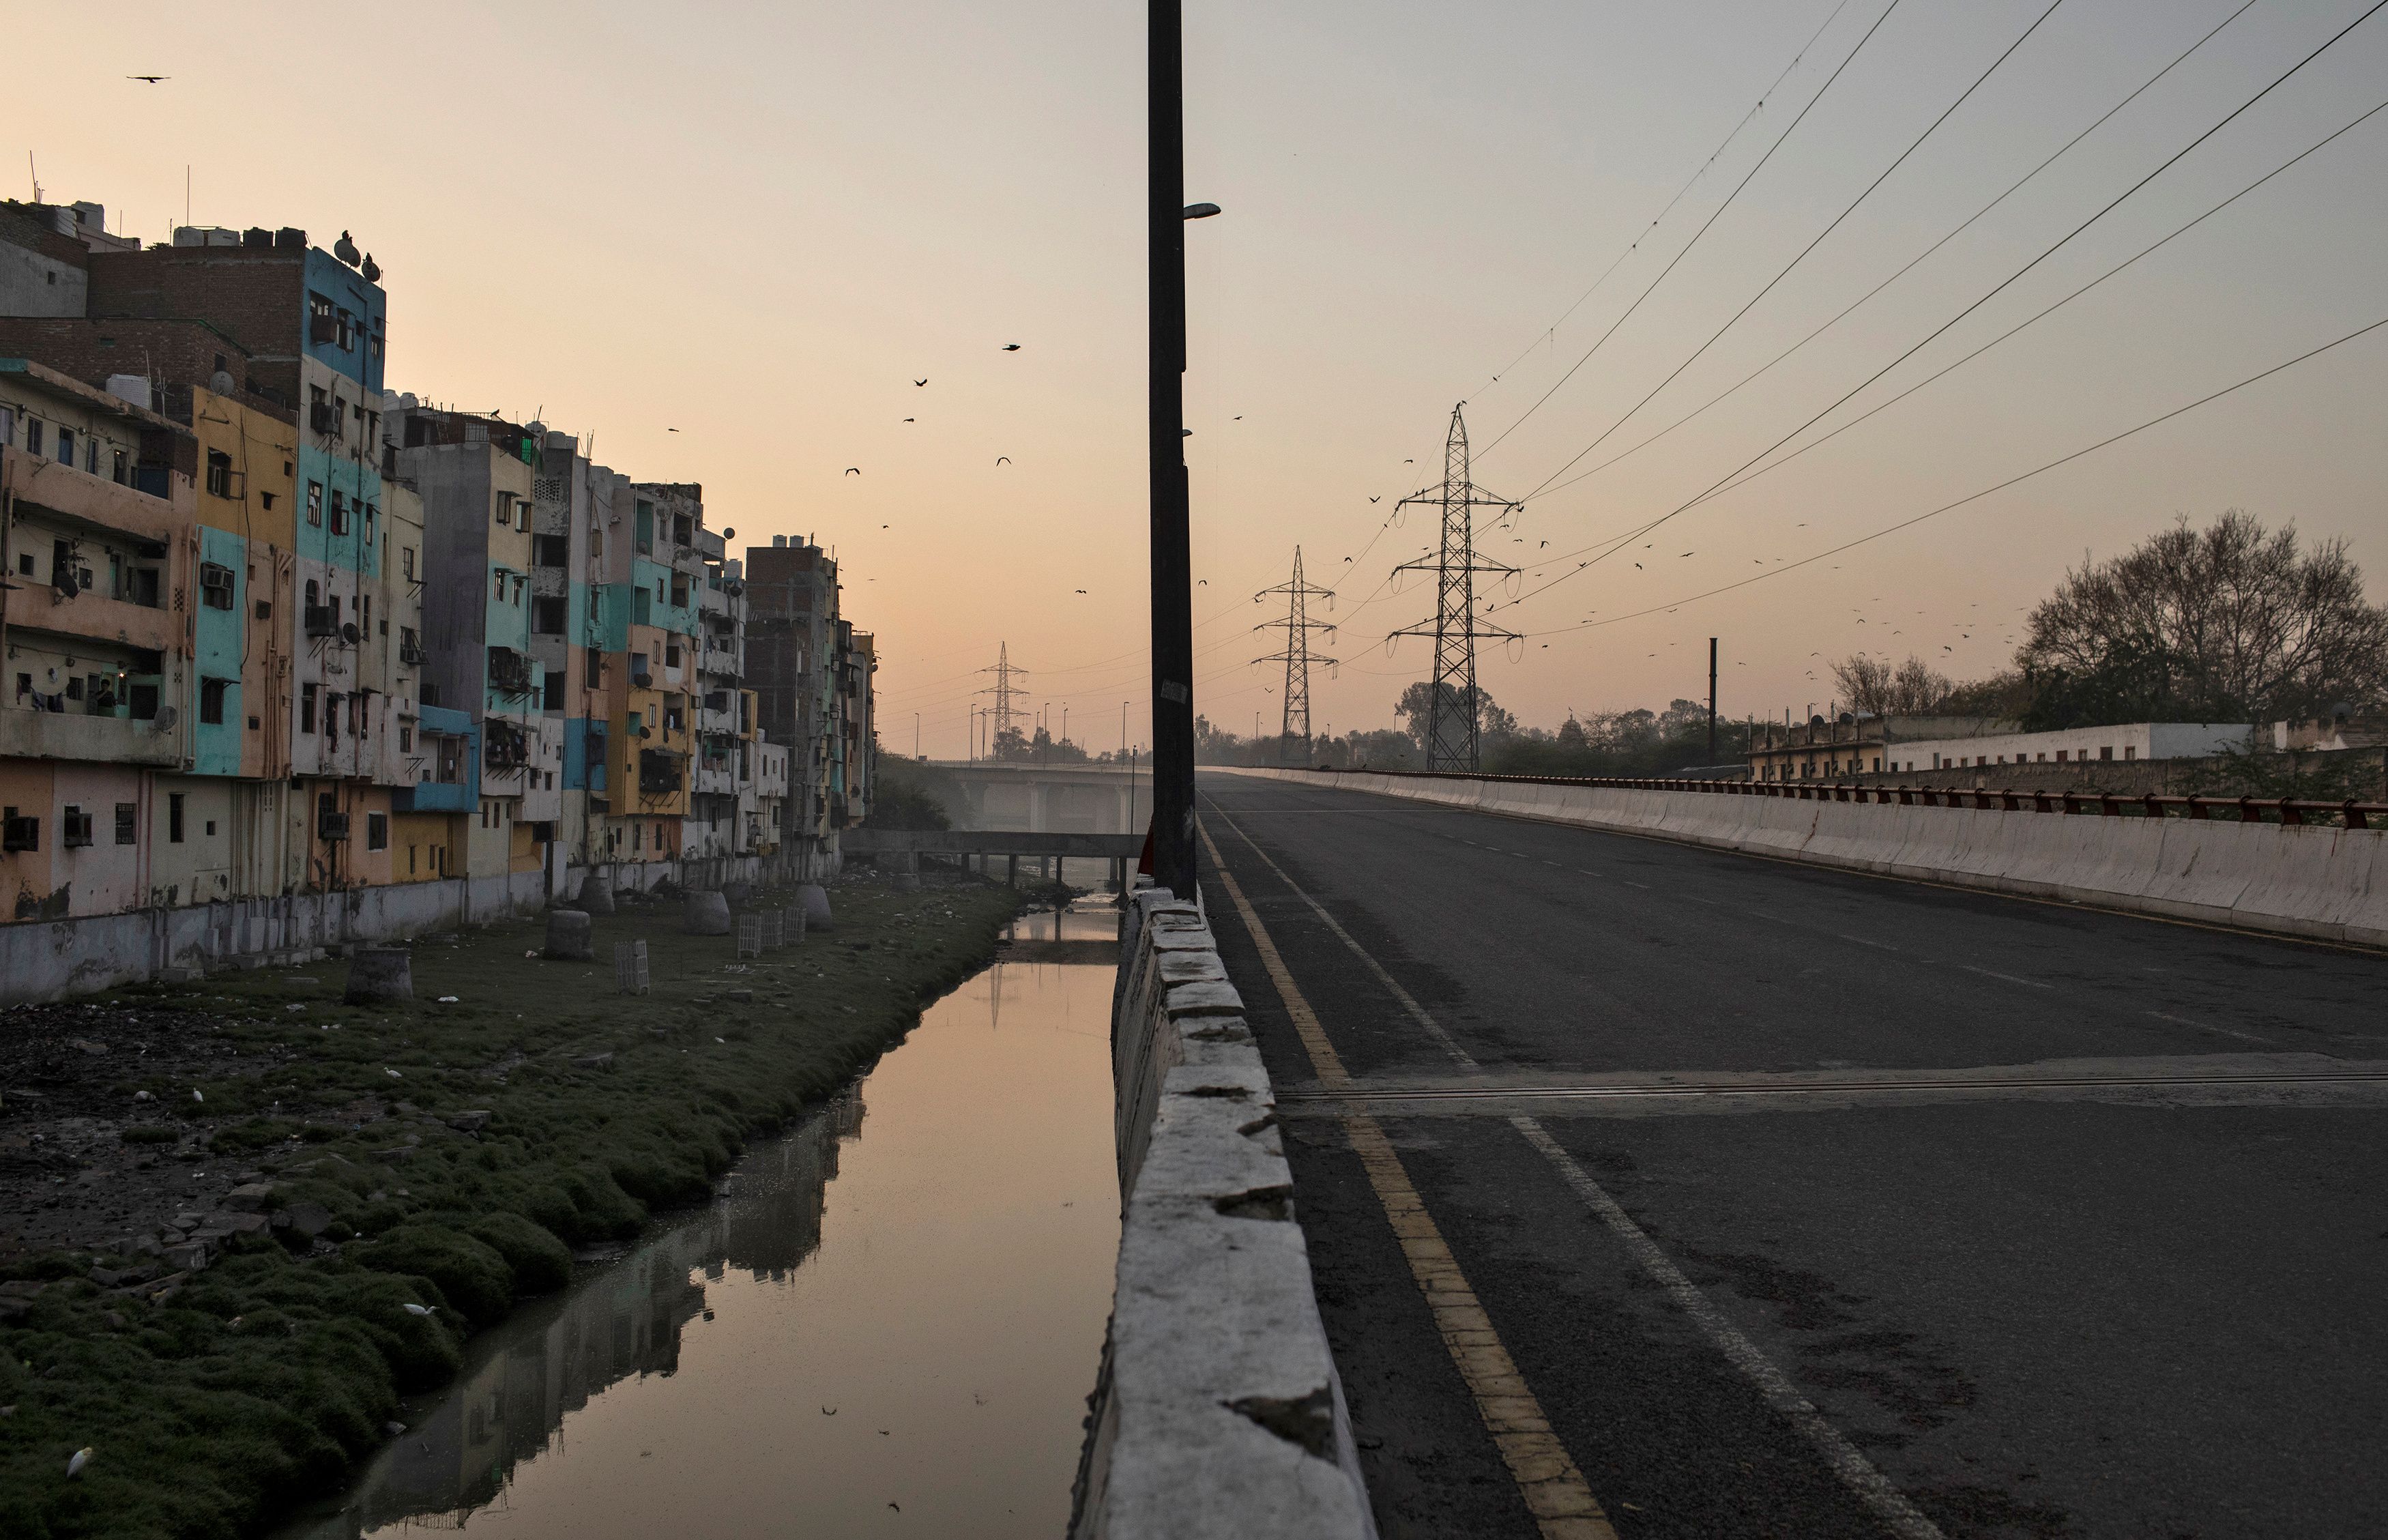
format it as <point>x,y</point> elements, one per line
<point>391,1177</point>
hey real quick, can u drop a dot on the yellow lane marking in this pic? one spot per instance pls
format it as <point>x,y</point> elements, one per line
<point>1554,1490</point>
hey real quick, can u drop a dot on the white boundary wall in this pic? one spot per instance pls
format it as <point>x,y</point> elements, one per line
<point>1218,1413</point>
<point>2328,883</point>
<point>44,959</point>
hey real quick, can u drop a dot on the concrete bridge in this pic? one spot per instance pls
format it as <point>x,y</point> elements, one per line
<point>1076,799</point>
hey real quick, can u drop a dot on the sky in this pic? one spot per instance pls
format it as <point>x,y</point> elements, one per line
<point>760,225</point>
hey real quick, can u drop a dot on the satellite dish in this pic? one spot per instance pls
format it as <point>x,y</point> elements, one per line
<point>166,718</point>
<point>729,534</point>
<point>65,584</point>
<point>348,633</point>
<point>221,382</point>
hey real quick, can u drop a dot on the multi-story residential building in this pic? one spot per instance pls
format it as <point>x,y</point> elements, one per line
<point>813,694</point>
<point>474,477</point>
<point>721,810</point>
<point>661,575</point>
<point>99,540</point>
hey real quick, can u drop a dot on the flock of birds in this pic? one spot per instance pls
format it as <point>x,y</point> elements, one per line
<point>922,384</point>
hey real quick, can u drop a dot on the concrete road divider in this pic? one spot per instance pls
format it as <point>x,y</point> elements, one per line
<point>1217,1412</point>
<point>2312,880</point>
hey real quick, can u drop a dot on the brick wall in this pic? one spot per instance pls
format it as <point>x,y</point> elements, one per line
<point>255,296</point>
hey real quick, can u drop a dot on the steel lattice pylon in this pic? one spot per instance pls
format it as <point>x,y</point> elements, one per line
<point>1454,709</point>
<point>1003,689</point>
<point>1297,655</point>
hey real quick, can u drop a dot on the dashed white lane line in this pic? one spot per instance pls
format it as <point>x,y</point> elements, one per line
<point>1880,946</point>
<point>2005,978</point>
<point>2209,1026</point>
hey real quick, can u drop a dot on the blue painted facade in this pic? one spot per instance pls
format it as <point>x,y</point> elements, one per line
<point>217,639</point>
<point>465,794</point>
<point>339,495</point>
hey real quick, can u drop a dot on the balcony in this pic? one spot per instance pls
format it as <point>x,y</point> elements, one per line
<point>660,773</point>
<point>69,736</point>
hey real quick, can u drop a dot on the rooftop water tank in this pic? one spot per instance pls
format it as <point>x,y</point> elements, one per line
<point>130,387</point>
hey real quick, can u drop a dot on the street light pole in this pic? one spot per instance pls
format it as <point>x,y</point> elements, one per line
<point>1171,555</point>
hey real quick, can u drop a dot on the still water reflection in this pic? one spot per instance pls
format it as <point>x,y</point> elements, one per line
<point>888,1326</point>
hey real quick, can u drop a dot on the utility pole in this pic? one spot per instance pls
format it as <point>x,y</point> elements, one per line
<point>1171,555</point>
<point>1297,655</point>
<point>1004,688</point>
<point>1455,711</point>
<point>1712,642</point>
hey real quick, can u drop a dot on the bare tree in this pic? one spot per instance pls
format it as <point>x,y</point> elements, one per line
<point>2228,623</point>
<point>1873,685</point>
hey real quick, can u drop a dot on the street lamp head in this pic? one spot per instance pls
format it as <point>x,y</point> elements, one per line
<point>1200,211</point>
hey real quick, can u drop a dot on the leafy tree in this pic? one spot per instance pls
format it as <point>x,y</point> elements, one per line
<point>1011,745</point>
<point>1876,686</point>
<point>1415,709</point>
<point>2232,622</point>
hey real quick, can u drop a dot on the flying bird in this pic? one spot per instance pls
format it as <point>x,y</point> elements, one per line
<point>1376,500</point>
<point>1003,459</point>
<point>1012,347</point>
<point>1239,416</point>
<point>829,1411</point>
<point>150,80</point>
<point>920,382</point>
<point>854,470</point>
<point>1082,591</point>
<point>1539,547</point>
<point>671,430</point>
<point>911,419</point>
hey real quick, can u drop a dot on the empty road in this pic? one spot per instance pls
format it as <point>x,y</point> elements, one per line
<point>1680,1193</point>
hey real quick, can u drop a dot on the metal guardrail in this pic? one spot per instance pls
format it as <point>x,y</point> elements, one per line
<point>2292,811</point>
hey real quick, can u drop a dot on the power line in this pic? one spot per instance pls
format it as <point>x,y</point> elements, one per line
<point>1003,689</point>
<point>1701,231</point>
<point>1976,497</point>
<point>1297,655</point>
<point>1913,262</point>
<point>1454,709</point>
<point>1852,208</point>
<point>1743,478</point>
<point>1999,288</point>
<point>1635,244</point>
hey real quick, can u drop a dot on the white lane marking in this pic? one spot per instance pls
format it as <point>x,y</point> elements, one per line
<point>2006,979</point>
<point>1547,861</point>
<point>1582,872</point>
<point>1631,882</point>
<point>1883,945</point>
<point>1870,1486</point>
<point>2208,1027</point>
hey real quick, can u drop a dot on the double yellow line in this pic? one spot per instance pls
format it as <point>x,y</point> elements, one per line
<point>1554,1490</point>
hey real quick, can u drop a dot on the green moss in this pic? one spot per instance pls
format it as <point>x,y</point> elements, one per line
<point>539,1261</point>
<point>471,1275</point>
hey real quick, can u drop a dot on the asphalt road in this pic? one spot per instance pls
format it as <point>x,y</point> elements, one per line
<point>2062,1223</point>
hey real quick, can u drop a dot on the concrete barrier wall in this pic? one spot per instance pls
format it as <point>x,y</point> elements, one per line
<point>43,960</point>
<point>2327,883</point>
<point>1217,1412</point>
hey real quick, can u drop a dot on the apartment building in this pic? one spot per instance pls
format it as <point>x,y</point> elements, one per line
<point>813,692</point>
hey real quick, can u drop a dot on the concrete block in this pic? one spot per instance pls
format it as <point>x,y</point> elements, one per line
<point>813,900</point>
<point>377,973</point>
<point>596,894</point>
<point>705,914</point>
<point>570,937</point>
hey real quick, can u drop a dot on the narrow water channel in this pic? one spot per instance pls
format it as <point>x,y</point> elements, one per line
<point>887,1324</point>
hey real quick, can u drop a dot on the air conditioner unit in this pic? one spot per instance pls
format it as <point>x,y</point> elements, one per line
<point>324,417</point>
<point>332,826</point>
<point>21,833</point>
<point>320,622</point>
<point>640,678</point>
<point>215,585</point>
<point>75,829</point>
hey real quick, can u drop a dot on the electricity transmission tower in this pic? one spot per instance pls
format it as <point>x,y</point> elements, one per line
<point>1454,710</point>
<point>1297,655</point>
<point>1003,689</point>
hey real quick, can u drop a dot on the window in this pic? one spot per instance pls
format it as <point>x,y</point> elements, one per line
<point>91,454</point>
<point>316,503</point>
<point>679,588</point>
<point>2131,751</point>
<point>505,508</point>
<point>646,525</point>
<point>66,446</point>
<point>121,473</point>
<point>552,698</point>
<point>406,560</point>
<point>499,596</point>
<point>212,700</point>
<point>219,474</point>
<point>372,512</point>
<point>551,550</point>
<point>641,606</point>
<point>339,511</point>
<point>2106,753</point>
<point>671,655</point>
<point>307,707</point>
<point>34,435</point>
<point>2060,756</point>
<point>127,816</point>
<point>377,830</point>
<point>175,815</point>
<point>592,668</point>
<point>547,617</point>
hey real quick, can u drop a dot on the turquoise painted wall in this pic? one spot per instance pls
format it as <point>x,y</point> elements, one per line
<point>217,638</point>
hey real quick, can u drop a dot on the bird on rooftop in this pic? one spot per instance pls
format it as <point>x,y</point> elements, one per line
<point>150,80</point>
